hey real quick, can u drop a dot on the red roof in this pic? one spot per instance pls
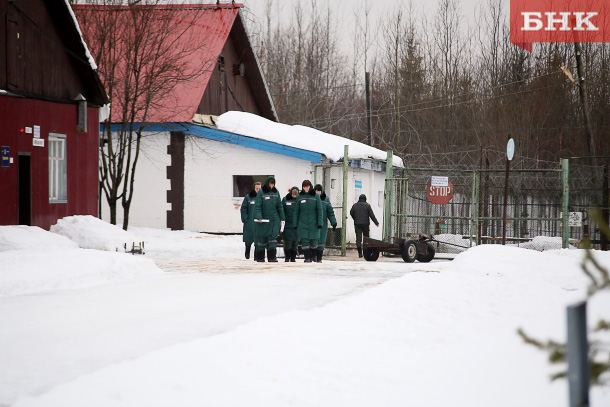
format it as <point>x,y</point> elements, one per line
<point>209,30</point>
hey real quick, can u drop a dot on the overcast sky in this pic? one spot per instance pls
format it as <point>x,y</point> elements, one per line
<point>345,10</point>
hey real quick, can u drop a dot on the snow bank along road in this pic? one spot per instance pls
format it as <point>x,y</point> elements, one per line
<point>53,337</point>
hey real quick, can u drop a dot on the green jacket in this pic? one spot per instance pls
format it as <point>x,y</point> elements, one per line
<point>308,215</point>
<point>268,207</point>
<point>289,203</point>
<point>328,214</point>
<point>247,216</point>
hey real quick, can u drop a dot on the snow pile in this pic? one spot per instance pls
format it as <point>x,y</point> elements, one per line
<point>92,233</point>
<point>32,272</point>
<point>21,237</point>
<point>449,243</point>
<point>302,137</point>
<point>543,243</point>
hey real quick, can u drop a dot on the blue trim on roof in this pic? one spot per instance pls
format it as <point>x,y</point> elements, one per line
<point>226,137</point>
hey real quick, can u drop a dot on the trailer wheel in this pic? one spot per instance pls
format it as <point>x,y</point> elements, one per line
<point>369,254</point>
<point>425,258</point>
<point>408,251</point>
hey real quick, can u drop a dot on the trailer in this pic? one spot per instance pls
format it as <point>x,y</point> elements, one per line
<point>410,250</point>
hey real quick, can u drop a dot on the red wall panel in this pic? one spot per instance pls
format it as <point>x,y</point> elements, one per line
<point>81,154</point>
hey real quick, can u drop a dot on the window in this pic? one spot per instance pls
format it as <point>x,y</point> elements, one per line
<point>58,180</point>
<point>242,184</point>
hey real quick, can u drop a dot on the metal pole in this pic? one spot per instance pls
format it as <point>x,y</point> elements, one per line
<point>565,230</point>
<point>578,355</point>
<point>505,202</point>
<point>369,124</point>
<point>474,218</point>
<point>387,207</point>
<point>344,215</point>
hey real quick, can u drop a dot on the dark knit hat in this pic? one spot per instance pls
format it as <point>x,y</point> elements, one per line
<point>306,183</point>
<point>318,187</point>
<point>362,197</point>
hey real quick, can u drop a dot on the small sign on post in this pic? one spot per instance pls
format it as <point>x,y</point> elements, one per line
<point>439,181</point>
<point>510,152</point>
<point>575,219</point>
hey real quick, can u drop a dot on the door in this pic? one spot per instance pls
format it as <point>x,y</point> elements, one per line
<point>25,190</point>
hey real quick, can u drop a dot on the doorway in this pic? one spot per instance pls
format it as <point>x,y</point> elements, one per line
<point>25,190</point>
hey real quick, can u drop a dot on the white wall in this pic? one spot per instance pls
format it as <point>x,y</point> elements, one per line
<point>208,181</point>
<point>208,184</point>
<point>149,205</point>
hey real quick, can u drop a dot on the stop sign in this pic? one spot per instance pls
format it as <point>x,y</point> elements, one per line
<point>440,195</point>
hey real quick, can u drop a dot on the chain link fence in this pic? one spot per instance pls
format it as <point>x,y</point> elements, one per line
<point>474,212</point>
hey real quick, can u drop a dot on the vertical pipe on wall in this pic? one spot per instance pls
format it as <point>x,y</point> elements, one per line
<point>344,215</point>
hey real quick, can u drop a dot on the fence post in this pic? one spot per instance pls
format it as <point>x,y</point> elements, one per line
<point>344,214</point>
<point>474,218</point>
<point>387,207</point>
<point>578,355</point>
<point>565,230</point>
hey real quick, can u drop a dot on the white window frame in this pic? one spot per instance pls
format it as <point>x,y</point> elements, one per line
<point>58,174</point>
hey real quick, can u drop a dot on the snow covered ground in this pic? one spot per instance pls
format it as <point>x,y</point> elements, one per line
<point>192,323</point>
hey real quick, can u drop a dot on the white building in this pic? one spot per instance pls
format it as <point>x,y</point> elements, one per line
<point>195,176</point>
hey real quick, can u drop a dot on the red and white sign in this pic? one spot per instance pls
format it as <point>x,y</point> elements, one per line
<point>440,195</point>
<point>559,21</point>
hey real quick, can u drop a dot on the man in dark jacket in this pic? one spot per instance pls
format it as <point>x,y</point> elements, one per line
<point>290,236</point>
<point>328,214</point>
<point>247,217</point>
<point>268,221</point>
<point>361,212</point>
<point>308,218</point>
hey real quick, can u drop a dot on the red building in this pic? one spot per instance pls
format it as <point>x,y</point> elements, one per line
<point>50,96</point>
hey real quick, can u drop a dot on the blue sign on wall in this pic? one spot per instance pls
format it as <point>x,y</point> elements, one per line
<point>6,156</point>
<point>358,183</point>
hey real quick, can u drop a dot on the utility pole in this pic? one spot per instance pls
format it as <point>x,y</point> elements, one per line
<point>369,124</point>
<point>582,87</point>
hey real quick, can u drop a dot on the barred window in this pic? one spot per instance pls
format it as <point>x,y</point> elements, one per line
<point>58,180</point>
<point>242,184</point>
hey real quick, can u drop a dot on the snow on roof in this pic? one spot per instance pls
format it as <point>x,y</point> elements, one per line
<point>302,137</point>
<point>89,56</point>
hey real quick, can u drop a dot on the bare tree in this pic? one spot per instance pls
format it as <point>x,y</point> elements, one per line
<point>144,51</point>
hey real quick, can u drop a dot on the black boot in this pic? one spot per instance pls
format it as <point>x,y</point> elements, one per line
<point>248,245</point>
<point>293,255</point>
<point>307,254</point>
<point>287,255</point>
<point>319,256</point>
<point>359,251</point>
<point>271,255</point>
<point>260,256</point>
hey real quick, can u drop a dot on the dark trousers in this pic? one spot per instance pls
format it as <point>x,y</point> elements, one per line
<point>361,230</point>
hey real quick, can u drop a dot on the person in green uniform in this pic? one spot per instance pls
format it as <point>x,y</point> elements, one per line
<point>247,217</point>
<point>290,235</point>
<point>328,214</point>
<point>308,219</point>
<point>268,221</point>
